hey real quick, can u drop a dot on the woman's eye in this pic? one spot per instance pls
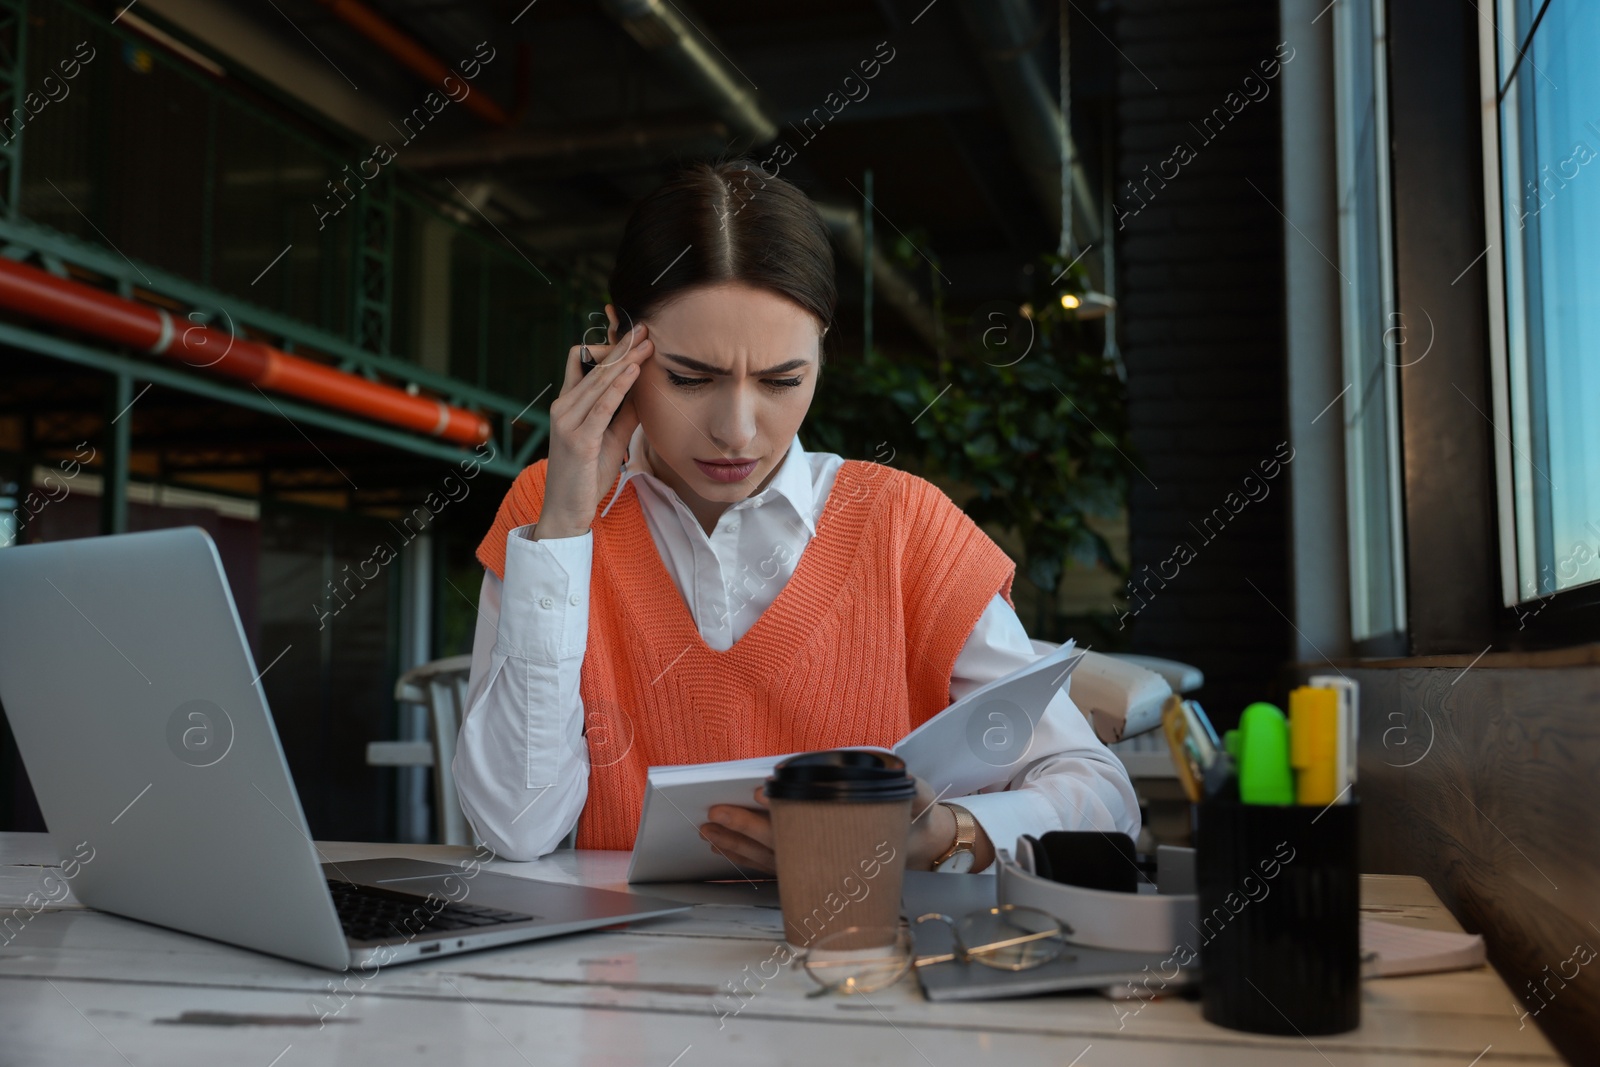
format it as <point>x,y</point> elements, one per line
<point>691,383</point>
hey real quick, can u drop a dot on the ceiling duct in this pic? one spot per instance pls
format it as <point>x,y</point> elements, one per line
<point>666,32</point>
<point>1007,34</point>
<point>411,54</point>
<point>569,145</point>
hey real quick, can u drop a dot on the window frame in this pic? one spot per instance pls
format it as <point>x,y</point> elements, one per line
<point>1439,227</point>
<point>1570,616</point>
<point>1346,122</point>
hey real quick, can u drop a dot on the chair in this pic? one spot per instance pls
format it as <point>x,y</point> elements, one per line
<point>440,688</point>
<point>1121,695</point>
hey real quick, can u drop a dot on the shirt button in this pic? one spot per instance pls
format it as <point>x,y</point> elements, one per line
<point>546,602</point>
<point>573,600</point>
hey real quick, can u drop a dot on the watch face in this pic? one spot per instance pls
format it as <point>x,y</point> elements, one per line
<point>960,863</point>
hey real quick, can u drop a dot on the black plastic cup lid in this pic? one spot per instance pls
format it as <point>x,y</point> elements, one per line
<point>841,774</point>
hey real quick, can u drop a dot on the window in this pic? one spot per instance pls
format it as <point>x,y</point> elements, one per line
<point>1547,87</point>
<point>1373,336</point>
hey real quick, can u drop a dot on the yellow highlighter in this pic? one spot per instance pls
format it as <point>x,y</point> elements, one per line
<point>1191,775</point>
<point>1314,744</point>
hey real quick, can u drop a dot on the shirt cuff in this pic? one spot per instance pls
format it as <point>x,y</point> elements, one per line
<point>1007,815</point>
<point>544,606</point>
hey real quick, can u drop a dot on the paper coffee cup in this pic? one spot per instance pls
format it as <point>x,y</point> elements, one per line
<point>840,824</point>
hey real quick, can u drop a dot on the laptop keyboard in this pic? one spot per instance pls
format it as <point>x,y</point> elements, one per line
<point>370,914</point>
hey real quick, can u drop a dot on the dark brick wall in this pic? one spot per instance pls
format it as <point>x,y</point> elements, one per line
<point>1201,293</point>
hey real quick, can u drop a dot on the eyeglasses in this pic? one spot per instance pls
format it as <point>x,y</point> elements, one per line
<point>865,959</point>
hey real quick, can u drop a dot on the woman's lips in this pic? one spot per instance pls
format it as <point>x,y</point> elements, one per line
<point>726,472</point>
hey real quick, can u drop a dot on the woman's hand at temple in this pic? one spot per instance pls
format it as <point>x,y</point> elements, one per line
<point>587,444</point>
<point>744,835</point>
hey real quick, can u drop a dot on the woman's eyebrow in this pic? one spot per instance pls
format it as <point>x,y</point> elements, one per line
<point>706,368</point>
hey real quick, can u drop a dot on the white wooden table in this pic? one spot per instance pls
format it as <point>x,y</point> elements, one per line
<point>82,988</point>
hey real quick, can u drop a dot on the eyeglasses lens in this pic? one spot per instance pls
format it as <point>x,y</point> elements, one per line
<point>1011,938</point>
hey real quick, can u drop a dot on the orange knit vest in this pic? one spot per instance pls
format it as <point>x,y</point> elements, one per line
<point>857,649</point>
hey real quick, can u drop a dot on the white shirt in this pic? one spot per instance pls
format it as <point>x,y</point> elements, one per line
<point>521,763</point>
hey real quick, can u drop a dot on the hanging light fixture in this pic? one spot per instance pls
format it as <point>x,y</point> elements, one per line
<point>1089,304</point>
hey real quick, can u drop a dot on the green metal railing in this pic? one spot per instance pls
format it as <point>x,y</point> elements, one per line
<point>13,61</point>
<point>157,177</point>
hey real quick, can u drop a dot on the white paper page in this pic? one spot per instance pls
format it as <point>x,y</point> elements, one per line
<point>1391,949</point>
<point>987,736</point>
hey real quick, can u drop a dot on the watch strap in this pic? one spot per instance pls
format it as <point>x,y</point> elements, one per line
<point>966,834</point>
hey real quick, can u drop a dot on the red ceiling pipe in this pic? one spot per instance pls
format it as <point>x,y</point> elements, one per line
<point>399,44</point>
<point>40,294</point>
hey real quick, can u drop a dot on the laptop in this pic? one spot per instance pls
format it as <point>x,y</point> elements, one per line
<point>135,703</point>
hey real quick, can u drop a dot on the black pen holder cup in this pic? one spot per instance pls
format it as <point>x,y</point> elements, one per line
<point>1280,917</point>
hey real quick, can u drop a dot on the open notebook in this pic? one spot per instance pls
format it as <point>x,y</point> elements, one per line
<point>982,739</point>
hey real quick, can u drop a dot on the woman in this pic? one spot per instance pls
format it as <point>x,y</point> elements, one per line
<point>682,582</point>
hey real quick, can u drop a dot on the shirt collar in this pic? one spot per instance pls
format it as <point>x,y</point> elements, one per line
<point>792,482</point>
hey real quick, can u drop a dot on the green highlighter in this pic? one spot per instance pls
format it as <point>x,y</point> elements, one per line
<point>1261,749</point>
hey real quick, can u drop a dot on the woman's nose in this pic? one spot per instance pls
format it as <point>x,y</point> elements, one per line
<point>734,424</point>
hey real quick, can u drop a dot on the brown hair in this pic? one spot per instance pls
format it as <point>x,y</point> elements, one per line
<point>727,221</point>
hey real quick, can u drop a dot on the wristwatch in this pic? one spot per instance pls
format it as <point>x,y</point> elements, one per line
<point>958,858</point>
